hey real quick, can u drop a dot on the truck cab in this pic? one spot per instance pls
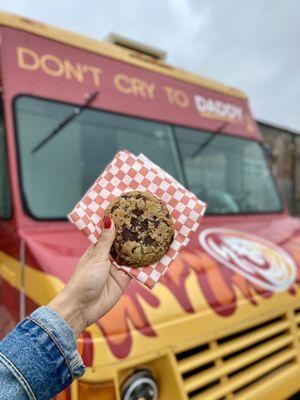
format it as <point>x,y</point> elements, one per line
<point>224,322</point>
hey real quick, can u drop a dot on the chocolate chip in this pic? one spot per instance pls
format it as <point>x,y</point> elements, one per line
<point>134,222</point>
<point>137,212</point>
<point>156,223</point>
<point>171,238</point>
<point>129,235</point>
<point>139,196</point>
<point>114,208</point>
<point>144,225</point>
<point>149,241</point>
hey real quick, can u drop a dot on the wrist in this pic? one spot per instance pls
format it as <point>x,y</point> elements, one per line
<point>69,310</point>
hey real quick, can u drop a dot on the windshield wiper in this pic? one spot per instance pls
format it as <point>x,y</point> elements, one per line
<point>89,98</point>
<point>209,140</point>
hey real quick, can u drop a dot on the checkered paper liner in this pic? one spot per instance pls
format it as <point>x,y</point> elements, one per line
<point>126,173</point>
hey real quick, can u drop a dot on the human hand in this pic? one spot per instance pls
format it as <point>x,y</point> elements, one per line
<point>95,286</point>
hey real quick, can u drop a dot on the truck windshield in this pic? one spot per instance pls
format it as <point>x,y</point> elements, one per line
<point>230,173</point>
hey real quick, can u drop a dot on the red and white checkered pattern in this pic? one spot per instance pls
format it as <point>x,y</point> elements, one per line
<point>126,173</point>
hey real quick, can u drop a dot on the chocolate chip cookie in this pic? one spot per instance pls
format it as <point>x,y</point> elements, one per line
<point>144,229</point>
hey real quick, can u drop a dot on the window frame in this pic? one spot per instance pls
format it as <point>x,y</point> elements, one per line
<point>9,215</point>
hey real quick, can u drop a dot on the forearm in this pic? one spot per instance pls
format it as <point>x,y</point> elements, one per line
<point>69,310</point>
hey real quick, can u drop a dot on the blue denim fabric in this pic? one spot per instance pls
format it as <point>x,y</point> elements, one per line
<point>39,358</point>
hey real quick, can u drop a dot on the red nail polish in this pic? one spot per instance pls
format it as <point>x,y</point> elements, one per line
<point>106,222</point>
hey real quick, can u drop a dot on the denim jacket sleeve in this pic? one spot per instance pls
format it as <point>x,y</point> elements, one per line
<point>39,358</point>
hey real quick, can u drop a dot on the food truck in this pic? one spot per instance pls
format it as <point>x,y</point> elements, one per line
<point>224,322</point>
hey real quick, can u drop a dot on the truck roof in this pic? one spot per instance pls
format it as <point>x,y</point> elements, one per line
<point>112,51</point>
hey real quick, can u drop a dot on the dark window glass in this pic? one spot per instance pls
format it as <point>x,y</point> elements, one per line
<point>55,177</point>
<point>229,173</point>
<point>5,200</point>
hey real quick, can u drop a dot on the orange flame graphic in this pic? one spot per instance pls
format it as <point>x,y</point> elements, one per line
<point>219,286</point>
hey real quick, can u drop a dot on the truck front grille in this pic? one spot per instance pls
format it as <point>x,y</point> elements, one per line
<point>229,366</point>
<point>297,321</point>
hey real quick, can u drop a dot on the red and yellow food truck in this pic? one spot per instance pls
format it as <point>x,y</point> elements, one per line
<point>224,323</point>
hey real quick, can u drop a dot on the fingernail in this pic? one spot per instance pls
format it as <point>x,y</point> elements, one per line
<point>106,222</point>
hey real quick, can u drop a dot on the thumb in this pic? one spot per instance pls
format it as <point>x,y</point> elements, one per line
<point>102,248</point>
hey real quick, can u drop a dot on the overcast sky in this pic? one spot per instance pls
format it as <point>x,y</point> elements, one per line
<point>252,45</point>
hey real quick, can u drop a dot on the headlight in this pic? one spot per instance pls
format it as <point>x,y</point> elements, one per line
<point>140,385</point>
